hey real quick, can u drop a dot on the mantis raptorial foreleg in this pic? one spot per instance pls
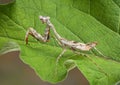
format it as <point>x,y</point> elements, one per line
<point>38,36</point>
<point>64,43</point>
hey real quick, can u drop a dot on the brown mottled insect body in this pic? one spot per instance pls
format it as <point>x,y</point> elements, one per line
<point>64,43</point>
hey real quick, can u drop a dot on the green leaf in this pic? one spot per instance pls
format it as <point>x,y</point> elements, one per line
<point>70,64</point>
<point>9,47</point>
<point>83,21</point>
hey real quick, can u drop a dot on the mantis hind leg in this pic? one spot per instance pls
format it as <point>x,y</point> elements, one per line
<point>57,60</point>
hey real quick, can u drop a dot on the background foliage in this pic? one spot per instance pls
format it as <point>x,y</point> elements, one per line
<point>79,20</point>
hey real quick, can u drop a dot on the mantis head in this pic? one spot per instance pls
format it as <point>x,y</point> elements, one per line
<point>44,19</point>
